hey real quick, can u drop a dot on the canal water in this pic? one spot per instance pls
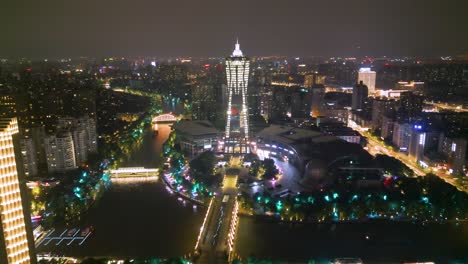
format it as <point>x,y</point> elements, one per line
<point>373,242</point>
<point>140,219</point>
<point>145,220</point>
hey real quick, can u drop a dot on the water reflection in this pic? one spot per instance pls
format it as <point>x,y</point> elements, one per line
<point>373,241</point>
<point>140,219</point>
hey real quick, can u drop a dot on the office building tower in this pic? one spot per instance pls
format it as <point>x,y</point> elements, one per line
<point>16,243</point>
<point>401,136</point>
<point>237,122</point>
<point>360,93</point>
<point>417,144</point>
<point>368,78</point>
<point>317,96</point>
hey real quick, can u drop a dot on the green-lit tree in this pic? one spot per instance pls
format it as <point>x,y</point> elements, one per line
<point>202,167</point>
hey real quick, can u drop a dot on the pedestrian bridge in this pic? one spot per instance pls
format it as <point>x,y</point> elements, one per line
<point>164,118</point>
<point>129,174</point>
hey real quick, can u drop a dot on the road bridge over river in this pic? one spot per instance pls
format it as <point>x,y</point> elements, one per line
<point>215,242</point>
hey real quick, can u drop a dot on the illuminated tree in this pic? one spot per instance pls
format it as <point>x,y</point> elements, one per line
<point>270,169</point>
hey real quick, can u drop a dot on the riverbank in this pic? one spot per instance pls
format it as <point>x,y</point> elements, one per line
<point>135,220</point>
<point>182,195</point>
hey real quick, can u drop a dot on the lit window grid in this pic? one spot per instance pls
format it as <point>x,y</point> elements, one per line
<point>368,78</point>
<point>11,208</point>
<point>237,73</point>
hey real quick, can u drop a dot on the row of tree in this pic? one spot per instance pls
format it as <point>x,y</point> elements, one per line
<point>421,198</point>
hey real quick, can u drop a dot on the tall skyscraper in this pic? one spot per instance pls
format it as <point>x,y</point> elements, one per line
<point>368,78</point>
<point>237,122</point>
<point>360,93</point>
<point>15,240</point>
<point>317,99</point>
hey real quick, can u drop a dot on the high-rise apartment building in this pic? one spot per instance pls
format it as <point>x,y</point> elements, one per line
<point>381,107</point>
<point>368,78</point>
<point>28,165</point>
<point>360,93</point>
<point>80,141</point>
<point>60,152</point>
<point>83,131</point>
<point>237,122</point>
<point>417,144</point>
<point>454,148</point>
<point>387,128</point>
<point>16,242</point>
<point>402,135</point>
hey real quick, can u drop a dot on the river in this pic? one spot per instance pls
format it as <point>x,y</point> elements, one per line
<point>145,220</point>
<point>138,219</point>
<point>385,242</point>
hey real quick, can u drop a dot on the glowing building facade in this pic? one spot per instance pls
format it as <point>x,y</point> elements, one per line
<point>15,240</point>
<point>237,122</point>
<point>368,78</point>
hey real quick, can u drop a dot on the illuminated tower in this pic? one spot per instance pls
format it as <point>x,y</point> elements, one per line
<point>237,123</point>
<point>15,241</point>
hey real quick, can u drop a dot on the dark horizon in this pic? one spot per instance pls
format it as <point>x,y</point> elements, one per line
<point>180,28</point>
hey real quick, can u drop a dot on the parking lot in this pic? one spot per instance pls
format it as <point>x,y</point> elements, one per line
<point>68,237</point>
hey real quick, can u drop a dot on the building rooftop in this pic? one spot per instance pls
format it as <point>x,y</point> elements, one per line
<point>288,135</point>
<point>312,144</point>
<point>196,128</point>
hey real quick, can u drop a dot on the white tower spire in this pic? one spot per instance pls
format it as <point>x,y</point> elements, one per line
<point>237,52</point>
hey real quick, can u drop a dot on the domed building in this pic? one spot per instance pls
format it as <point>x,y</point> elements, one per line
<point>316,175</point>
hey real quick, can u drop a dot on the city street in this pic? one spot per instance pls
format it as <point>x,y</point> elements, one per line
<point>455,108</point>
<point>213,239</point>
<point>378,147</point>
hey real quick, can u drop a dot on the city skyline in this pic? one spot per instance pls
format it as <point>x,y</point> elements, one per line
<point>163,29</point>
<point>140,132</point>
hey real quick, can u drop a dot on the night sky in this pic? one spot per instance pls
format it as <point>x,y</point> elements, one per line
<point>97,28</point>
